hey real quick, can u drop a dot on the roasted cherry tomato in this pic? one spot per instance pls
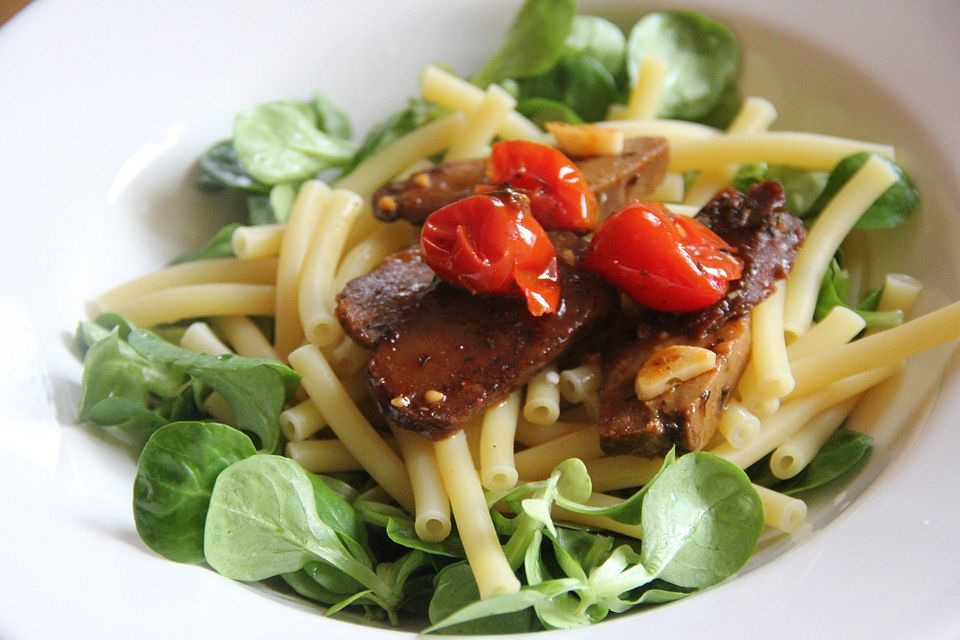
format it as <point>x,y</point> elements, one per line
<point>559,196</point>
<point>492,244</point>
<point>663,261</point>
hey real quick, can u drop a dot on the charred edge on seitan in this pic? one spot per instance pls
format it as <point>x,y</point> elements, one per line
<point>766,237</point>
<point>474,350</point>
<point>614,180</point>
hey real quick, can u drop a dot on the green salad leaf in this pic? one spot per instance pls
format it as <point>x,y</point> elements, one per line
<point>222,167</point>
<point>838,456</point>
<point>534,42</point>
<point>802,187</point>
<point>701,521</point>
<point>256,389</point>
<point>281,142</point>
<point>263,521</point>
<point>833,293</point>
<point>599,39</point>
<point>175,477</point>
<point>457,596</point>
<point>894,205</point>
<point>219,246</point>
<point>702,55</point>
<point>544,110</point>
<point>331,118</point>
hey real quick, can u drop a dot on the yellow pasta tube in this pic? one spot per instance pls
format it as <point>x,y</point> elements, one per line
<point>781,512</point>
<point>452,92</point>
<point>484,553</point>
<point>645,97</point>
<point>260,241</point>
<point>419,143</point>
<point>839,327</point>
<point>621,472</point>
<point>317,298</point>
<point>831,227</point>
<point>348,357</point>
<point>200,337</point>
<point>482,125</point>
<point>304,218</point>
<point>345,420</point>
<point>878,350</point>
<point>797,149</point>
<point>756,115</point>
<point>795,413</point>
<point>530,435</point>
<point>900,291</point>
<point>196,300</point>
<point>217,406</point>
<point>769,351</point>
<point>301,421</point>
<point>497,469</point>
<point>576,383</point>
<point>670,189</point>
<point>322,456</point>
<point>244,336</point>
<point>737,425</point>
<point>196,272</point>
<point>542,405</point>
<point>796,452</point>
<point>432,517</point>
<point>537,463</point>
<point>676,131</point>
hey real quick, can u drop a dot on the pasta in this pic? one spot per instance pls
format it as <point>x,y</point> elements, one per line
<point>497,468</point>
<point>482,125</point>
<point>262,241</point>
<point>432,517</point>
<point>542,405</point>
<point>196,300</point>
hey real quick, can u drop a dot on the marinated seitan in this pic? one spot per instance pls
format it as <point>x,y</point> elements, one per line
<point>614,180</point>
<point>766,237</point>
<point>458,353</point>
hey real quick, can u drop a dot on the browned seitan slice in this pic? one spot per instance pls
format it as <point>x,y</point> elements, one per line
<point>767,238</point>
<point>615,180</point>
<point>369,306</point>
<point>458,353</point>
<point>687,414</point>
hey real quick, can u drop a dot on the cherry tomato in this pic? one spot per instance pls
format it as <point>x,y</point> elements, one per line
<point>492,244</point>
<point>664,262</point>
<point>559,196</point>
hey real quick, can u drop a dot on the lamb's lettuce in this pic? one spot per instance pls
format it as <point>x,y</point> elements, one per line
<point>533,44</point>
<point>219,246</point>
<point>600,39</point>
<point>280,142</point>
<point>802,187</point>
<point>136,380</point>
<point>702,56</point>
<point>894,205</point>
<point>175,477</point>
<point>833,293</point>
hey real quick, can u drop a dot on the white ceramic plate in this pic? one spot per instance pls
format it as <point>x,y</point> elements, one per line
<point>106,105</point>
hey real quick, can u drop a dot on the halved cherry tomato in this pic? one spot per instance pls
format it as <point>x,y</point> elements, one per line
<point>491,244</point>
<point>664,262</point>
<point>559,196</point>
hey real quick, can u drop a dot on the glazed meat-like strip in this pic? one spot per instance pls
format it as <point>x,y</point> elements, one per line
<point>615,180</point>
<point>369,306</point>
<point>766,238</point>
<point>687,414</point>
<point>458,353</point>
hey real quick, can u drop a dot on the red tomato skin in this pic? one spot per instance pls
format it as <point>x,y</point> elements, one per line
<point>663,262</point>
<point>559,196</point>
<point>492,244</point>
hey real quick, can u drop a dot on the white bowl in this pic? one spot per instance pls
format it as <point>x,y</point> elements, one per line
<point>105,107</point>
